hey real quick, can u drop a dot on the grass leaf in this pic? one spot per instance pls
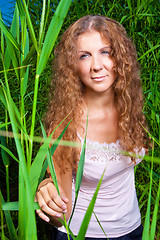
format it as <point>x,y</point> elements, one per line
<point>145,235</point>
<point>79,172</point>
<point>155,216</point>
<point>54,27</point>
<point>4,153</point>
<point>87,217</point>
<point>9,35</point>
<point>50,160</point>
<point>10,225</point>
<point>40,156</point>
<point>30,25</point>
<point>150,50</point>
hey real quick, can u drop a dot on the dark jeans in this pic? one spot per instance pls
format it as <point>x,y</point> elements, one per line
<point>134,235</point>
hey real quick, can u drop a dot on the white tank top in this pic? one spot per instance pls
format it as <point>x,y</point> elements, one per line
<point>116,205</point>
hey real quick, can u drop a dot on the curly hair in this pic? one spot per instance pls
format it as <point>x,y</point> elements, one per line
<point>67,90</point>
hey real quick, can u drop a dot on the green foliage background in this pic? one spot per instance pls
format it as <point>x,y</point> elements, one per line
<point>141,19</point>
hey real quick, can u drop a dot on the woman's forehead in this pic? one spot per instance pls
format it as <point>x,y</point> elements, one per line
<point>93,34</point>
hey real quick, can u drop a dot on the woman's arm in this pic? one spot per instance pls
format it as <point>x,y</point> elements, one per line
<point>52,205</point>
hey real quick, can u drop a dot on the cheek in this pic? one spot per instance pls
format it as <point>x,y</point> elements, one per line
<point>83,69</point>
<point>109,64</point>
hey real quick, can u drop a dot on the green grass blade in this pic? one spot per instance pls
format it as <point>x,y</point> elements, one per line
<point>13,56</point>
<point>150,50</point>
<point>2,221</point>
<point>25,48</point>
<point>11,106</point>
<point>150,45</point>
<point>40,156</point>
<point>15,24</point>
<point>7,183</point>
<point>2,97</point>
<point>6,162</point>
<point>151,106</point>
<point>87,217</point>
<point>24,176</point>
<point>21,9</point>
<point>11,51</point>
<point>10,225</point>
<point>10,206</point>
<point>52,169</point>
<point>2,125</point>
<point>154,174</point>
<point>42,23</point>
<point>50,154</point>
<point>43,57</point>
<point>14,206</point>
<point>129,5</point>
<point>87,6</point>
<point>29,56</point>
<point>46,21</point>
<point>38,161</point>
<point>2,38</point>
<point>140,6</point>
<point>81,165</point>
<point>155,216</point>
<point>22,214</point>
<point>7,59</point>
<point>4,153</point>
<point>54,27</point>
<point>9,35</point>
<point>24,71</point>
<point>24,82</point>
<point>44,169</point>
<point>3,54</point>
<point>100,225</point>
<point>70,232</point>
<point>79,172</point>
<point>33,118</point>
<point>30,25</point>
<point>77,8</point>
<point>145,235</point>
<point>53,148</point>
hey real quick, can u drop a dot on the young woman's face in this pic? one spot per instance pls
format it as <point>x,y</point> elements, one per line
<point>95,62</point>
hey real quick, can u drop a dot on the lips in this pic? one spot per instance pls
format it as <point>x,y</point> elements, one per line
<point>98,78</point>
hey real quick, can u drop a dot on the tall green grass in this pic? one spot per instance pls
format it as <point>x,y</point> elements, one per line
<point>18,44</point>
<point>26,51</point>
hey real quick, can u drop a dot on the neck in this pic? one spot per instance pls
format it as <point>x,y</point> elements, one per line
<point>100,101</point>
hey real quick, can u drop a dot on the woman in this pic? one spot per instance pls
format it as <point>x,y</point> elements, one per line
<point>96,73</point>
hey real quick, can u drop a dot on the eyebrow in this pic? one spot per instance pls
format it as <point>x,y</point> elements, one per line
<point>86,51</point>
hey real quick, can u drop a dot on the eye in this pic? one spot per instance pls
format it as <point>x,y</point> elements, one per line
<point>84,56</point>
<point>105,52</point>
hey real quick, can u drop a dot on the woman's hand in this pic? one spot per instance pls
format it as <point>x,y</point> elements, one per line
<point>52,205</point>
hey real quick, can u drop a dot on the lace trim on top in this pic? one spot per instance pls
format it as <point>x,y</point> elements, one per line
<point>102,152</point>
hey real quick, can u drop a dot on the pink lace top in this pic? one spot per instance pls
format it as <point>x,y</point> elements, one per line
<point>116,205</point>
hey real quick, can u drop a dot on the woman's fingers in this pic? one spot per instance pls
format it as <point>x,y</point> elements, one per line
<point>46,209</point>
<point>50,202</point>
<point>60,201</point>
<point>42,215</point>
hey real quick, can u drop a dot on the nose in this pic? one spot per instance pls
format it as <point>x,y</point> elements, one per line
<point>96,64</point>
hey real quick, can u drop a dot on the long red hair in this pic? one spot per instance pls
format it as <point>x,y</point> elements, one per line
<point>67,90</point>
